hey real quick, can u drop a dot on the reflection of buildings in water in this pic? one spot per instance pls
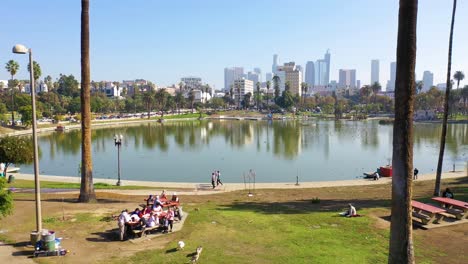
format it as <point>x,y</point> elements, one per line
<point>287,139</point>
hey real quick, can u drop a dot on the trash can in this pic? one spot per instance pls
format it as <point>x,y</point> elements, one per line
<point>49,241</point>
<point>11,179</point>
<point>35,236</point>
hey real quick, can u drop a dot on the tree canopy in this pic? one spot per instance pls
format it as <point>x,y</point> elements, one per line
<point>17,150</point>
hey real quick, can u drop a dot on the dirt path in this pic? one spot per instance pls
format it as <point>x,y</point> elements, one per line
<point>9,254</point>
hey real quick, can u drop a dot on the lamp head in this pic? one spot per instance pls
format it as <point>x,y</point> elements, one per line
<point>20,49</point>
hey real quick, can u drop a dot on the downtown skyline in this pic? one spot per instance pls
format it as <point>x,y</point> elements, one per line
<point>166,41</point>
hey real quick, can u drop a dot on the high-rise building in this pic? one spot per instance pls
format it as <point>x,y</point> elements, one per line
<point>275,64</point>
<point>391,82</point>
<point>254,77</point>
<point>347,78</point>
<point>310,74</point>
<point>232,74</point>
<point>327,60</point>
<point>358,84</point>
<point>259,72</point>
<point>191,82</point>
<point>374,71</point>
<point>321,73</point>
<point>428,80</point>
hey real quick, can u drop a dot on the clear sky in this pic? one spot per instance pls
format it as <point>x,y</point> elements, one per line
<point>162,41</point>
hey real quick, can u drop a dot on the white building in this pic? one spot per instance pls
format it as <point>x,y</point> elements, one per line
<point>374,71</point>
<point>113,90</point>
<point>242,87</point>
<point>428,80</point>
<point>4,84</point>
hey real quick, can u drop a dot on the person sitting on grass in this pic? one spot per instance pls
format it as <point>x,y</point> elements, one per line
<point>448,194</point>
<point>376,176</point>
<point>351,212</point>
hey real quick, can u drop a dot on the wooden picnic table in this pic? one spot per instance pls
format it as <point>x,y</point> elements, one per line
<point>455,207</point>
<point>427,213</point>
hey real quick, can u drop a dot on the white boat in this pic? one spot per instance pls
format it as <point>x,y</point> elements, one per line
<point>13,169</point>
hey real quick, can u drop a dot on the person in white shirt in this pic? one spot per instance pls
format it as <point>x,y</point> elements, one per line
<point>350,212</point>
<point>151,222</point>
<point>124,218</point>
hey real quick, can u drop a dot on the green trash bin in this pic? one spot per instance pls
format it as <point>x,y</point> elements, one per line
<point>11,179</point>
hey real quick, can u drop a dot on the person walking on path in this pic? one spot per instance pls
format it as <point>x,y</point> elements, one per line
<point>218,178</point>
<point>213,179</point>
<point>415,174</point>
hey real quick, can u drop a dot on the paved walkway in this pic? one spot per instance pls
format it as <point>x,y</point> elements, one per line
<point>201,189</point>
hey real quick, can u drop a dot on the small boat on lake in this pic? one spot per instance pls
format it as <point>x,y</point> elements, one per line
<point>60,128</point>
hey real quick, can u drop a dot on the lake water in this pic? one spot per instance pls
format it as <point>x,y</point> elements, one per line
<point>278,151</point>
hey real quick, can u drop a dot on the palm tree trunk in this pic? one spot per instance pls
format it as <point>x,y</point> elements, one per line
<point>87,188</point>
<point>446,107</point>
<point>401,231</point>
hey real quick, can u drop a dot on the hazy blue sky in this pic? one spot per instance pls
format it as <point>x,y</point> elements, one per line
<point>163,41</point>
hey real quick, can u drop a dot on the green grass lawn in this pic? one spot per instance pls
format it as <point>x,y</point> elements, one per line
<point>264,233</point>
<point>67,185</point>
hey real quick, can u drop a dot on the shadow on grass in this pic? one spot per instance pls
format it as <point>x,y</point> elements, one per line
<point>27,252</point>
<point>105,236</point>
<point>304,206</point>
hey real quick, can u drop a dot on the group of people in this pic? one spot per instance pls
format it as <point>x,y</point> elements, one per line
<point>151,215</point>
<point>216,178</point>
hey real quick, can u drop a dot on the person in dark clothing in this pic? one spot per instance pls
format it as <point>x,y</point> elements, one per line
<point>415,174</point>
<point>213,179</point>
<point>448,194</point>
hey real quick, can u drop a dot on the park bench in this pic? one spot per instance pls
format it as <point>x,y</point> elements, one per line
<point>458,208</point>
<point>426,213</point>
<point>145,231</point>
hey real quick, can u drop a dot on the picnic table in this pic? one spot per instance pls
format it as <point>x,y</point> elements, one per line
<point>427,213</point>
<point>455,207</point>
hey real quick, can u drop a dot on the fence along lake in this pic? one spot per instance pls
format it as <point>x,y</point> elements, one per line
<point>277,151</point>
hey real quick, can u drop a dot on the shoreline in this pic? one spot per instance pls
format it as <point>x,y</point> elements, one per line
<point>205,187</point>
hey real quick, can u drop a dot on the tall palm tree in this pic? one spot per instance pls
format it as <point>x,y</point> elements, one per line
<point>161,99</point>
<point>267,97</point>
<point>276,86</point>
<point>238,95</point>
<point>304,89</point>
<point>87,193</point>
<point>258,96</point>
<point>446,107</point>
<point>376,87</point>
<point>401,232</point>
<point>459,76</point>
<point>148,99</point>
<point>12,67</point>
<point>179,100</point>
<point>191,98</point>
<point>419,86</point>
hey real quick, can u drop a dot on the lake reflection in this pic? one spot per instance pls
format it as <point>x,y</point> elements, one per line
<point>277,151</point>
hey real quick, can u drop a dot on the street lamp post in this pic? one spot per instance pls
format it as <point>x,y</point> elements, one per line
<point>118,143</point>
<point>20,49</point>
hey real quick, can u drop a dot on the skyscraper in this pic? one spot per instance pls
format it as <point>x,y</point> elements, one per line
<point>254,77</point>
<point>327,74</point>
<point>275,64</point>
<point>292,75</point>
<point>391,82</point>
<point>259,72</point>
<point>347,78</point>
<point>232,74</point>
<point>374,71</point>
<point>310,74</point>
<point>428,80</point>
<point>321,73</point>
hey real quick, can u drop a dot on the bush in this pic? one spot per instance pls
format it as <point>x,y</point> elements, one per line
<point>6,199</point>
<point>315,200</point>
